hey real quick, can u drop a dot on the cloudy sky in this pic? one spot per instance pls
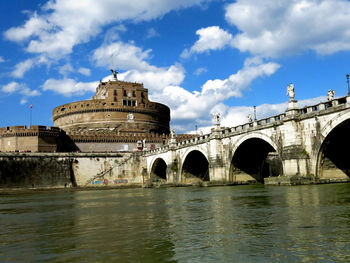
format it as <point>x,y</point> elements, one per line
<point>197,56</point>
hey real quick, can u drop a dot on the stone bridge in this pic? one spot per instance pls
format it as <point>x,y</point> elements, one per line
<point>309,143</point>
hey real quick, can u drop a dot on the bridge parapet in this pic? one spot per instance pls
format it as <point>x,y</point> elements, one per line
<point>305,112</point>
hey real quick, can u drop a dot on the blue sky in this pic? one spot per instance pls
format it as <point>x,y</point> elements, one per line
<point>197,56</point>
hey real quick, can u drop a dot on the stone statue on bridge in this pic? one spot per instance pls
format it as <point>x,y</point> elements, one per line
<point>216,119</point>
<point>172,137</point>
<point>331,94</point>
<point>172,133</point>
<point>290,92</point>
<point>250,118</point>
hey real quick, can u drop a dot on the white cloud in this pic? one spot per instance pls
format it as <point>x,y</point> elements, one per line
<point>11,87</point>
<point>274,28</point>
<point>2,59</point>
<point>33,27</point>
<point>123,55</point>
<point>84,71</point>
<point>151,32</point>
<point>15,87</point>
<point>30,93</point>
<point>210,38</point>
<point>23,101</point>
<point>62,24</point>
<point>199,71</point>
<point>134,60</point>
<point>187,105</point>
<point>155,79</point>
<point>21,68</point>
<point>69,87</point>
<point>65,69</point>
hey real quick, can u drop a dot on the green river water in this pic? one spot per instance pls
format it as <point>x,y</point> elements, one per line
<point>254,223</point>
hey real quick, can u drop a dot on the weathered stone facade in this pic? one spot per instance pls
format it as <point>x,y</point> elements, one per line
<point>58,170</point>
<point>32,139</point>
<point>118,107</point>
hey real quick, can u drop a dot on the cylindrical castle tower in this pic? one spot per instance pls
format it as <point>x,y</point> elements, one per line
<point>118,107</point>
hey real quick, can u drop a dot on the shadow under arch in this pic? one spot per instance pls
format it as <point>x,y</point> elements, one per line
<point>333,160</point>
<point>158,170</point>
<point>253,160</point>
<point>195,168</point>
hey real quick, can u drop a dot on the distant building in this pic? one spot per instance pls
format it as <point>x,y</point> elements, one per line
<point>33,139</point>
<point>119,117</point>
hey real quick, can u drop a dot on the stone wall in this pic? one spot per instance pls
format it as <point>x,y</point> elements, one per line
<point>41,170</point>
<point>35,171</point>
<point>33,139</point>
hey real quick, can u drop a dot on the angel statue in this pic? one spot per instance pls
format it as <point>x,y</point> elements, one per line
<point>172,133</point>
<point>216,118</point>
<point>290,92</point>
<point>331,94</point>
<point>250,118</point>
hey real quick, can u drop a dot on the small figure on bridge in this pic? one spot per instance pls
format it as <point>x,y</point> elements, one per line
<point>172,133</point>
<point>331,94</point>
<point>250,118</point>
<point>216,119</point>
<point>290,92</point>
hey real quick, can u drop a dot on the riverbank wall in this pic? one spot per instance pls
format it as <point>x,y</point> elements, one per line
<point>58,170</point>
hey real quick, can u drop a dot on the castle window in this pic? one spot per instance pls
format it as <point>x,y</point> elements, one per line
<point>63,109</point>
<point>129,103</point>
<point>124,92</point>
<point>115,92</point>
<point>142,95</point>
<point>115,98</point>
<point>134,93</point>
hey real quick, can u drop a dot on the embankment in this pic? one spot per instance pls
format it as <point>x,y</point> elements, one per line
<point>55,170</point>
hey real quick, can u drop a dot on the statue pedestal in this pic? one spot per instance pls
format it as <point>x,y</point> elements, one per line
<point>292,104</point>
<point>292,107</point>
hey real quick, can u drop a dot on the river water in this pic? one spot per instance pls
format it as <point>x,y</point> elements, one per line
<point>222,224</point>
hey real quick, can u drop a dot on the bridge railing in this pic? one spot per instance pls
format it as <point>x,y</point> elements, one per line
<point>258,123</point>
<point>324,105</point>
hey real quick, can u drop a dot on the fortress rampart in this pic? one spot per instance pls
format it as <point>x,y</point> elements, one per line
<point>32,139</point>
<point>117,106</point>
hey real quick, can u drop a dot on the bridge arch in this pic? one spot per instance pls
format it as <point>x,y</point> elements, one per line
<point>334,122</point>
<point>195,166</point>
<point>254,157</point>
<point>159,169</point>
<point>333,161</point>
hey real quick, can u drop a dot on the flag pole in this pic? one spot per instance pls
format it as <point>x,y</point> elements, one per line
<point>31,107</point>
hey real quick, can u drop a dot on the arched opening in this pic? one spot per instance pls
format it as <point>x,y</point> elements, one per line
<point>334,158</point>
<point>195,167</point>
<point>158,172</point>
<point>254,160</point>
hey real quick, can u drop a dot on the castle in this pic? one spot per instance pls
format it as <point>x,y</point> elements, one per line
<point>119,117</point>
